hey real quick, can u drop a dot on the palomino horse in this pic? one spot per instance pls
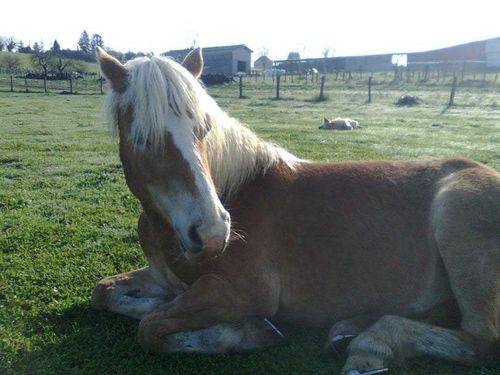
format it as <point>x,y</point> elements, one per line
<point>237,231</point>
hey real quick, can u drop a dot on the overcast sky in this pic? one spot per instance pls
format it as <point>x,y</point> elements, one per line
<point>349,27</point>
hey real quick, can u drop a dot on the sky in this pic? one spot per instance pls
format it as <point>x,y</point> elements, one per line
<point>344,28</point>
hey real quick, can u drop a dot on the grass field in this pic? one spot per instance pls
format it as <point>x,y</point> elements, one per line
<point>67,218</point>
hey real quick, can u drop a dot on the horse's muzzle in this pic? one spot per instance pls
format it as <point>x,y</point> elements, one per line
<point>205,243</point>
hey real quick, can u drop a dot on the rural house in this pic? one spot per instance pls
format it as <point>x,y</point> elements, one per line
<point>228,60</point>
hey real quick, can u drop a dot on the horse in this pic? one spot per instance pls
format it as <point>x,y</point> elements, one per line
<point>240,235</point>
<point>339,124</point>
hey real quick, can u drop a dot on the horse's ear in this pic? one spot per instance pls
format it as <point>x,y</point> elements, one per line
<point>194,62</point>
<point>325,120</point>
<point>113,70</point>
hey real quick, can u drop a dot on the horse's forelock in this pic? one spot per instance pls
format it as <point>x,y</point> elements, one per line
<point>157,90</point>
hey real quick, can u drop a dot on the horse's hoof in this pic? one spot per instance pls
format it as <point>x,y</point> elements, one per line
<point>369,372</point>
<point>364,364</point>
<point>339,339</point>
<point>338,343</point>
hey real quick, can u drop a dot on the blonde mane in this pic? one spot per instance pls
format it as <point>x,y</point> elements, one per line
<point>159,88</point>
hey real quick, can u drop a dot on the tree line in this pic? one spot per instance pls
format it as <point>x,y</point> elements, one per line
<point>55,59</point>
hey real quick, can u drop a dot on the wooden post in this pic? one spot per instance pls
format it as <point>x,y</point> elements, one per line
<point>322,88</point>
<point>11,83</point>
<point>370,89</point>
<point>45,82</point>
<point>70,85</point>
<point>100,84</point>
<point>452,93</point>
<point>26,83</point>
<point>278,86</point>
<point>241,86</point>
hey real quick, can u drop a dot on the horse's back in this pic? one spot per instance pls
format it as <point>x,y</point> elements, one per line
<point>363,229</point>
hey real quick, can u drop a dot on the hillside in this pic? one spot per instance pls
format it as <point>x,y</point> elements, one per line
<point>25,62</point>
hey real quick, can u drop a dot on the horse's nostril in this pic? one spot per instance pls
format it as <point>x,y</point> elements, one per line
<point>195,238</point>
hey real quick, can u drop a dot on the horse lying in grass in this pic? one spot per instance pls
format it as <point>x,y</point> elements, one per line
<point>237,231</point>
<point>340,124</point>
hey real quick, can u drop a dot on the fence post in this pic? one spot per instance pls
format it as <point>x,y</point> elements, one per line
<point>70,85</point>
<point>370,89</point>
<point>452,93</point>
<point>322,87</point>
<point>241,86</point>
<point>26,83</point>
<point>278,86</point>
<point>100,84</point>
<point>11,83</point>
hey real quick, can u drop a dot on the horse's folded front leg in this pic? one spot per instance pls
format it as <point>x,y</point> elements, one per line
<point>133,294</point>
<point>245,335</point>
<point>207,318</point>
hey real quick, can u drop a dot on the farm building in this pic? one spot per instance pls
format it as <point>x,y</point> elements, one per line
<point>485,53</point>
<point>262,63</point>
<point>368,63</point>
<point>475,56</point>
<point>228,60</point>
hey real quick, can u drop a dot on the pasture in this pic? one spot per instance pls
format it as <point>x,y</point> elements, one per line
<point>67,219</point>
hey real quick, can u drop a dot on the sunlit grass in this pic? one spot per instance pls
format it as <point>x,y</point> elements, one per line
<point>67,218</point>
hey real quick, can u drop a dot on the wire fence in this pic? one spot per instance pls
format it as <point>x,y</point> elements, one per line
<point>89,84</point>
<point>449,90</point>
<point>472,90</point>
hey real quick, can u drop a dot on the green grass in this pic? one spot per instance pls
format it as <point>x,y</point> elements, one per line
<point>67,218</point>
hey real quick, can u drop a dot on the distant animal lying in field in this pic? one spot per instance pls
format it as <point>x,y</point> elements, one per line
<point>340,124</point>
<point>408,100</point>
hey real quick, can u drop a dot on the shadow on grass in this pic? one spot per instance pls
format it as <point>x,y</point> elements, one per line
<point>82,340</point>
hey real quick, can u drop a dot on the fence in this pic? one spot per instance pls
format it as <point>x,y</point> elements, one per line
<point>91,84</point>
<point>385,88</point>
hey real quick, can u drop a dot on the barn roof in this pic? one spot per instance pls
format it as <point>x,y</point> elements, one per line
<point>176,52</point>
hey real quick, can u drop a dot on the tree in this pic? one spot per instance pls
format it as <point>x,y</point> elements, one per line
<point>84,43</point>
<point>37,48</point>
<point>59,63</point>
<point>23,49</point>
<point>10,43</point>
<point>293,56</point>
<point>263,51</point>
<point>42,60</point>
<point>56,48</point>
<point>2,44</point>
<point>96,42</point>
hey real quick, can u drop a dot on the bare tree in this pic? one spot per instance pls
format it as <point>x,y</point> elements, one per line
<point>2,44</point>
<point>96,41</point>
<point>42,60</point>
<point>10,43</point>
<point>263,51</point>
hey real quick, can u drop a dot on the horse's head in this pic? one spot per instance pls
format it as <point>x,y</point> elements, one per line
<point>160,111</point>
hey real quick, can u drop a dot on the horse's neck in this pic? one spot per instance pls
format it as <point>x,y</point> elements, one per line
<point>236,155</point>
